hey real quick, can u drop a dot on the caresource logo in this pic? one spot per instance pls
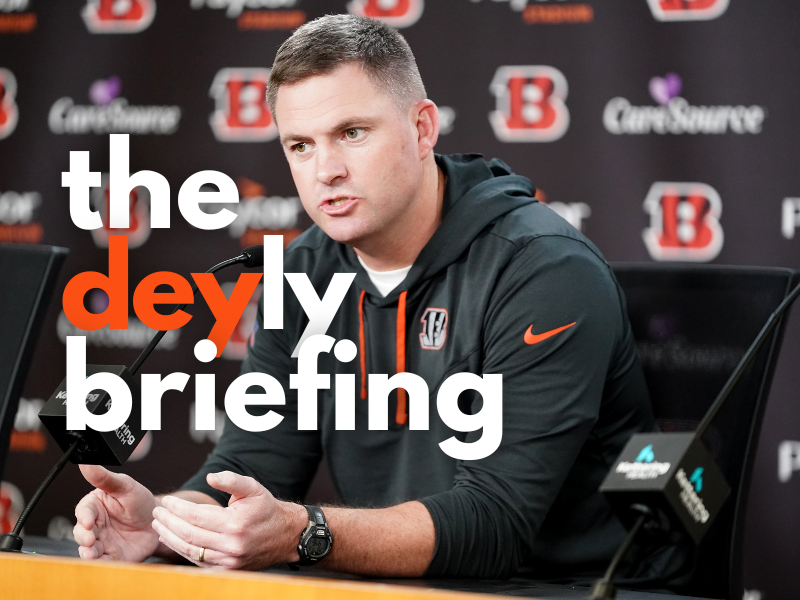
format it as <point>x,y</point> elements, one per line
<point>118,16</point>
<point>675,115</point>
<point>396,13</point>
<point>136,336</point>
<point>242,113</point>
<point>687,10</point>
<point>530,104</point>
<point>110,113</point>
<point>8,104</point>
<point>684,222</point>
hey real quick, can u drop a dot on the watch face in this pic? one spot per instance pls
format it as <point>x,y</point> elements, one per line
<point>317,546</point>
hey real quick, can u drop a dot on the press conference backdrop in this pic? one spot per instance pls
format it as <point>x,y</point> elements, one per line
<point>665,130</point>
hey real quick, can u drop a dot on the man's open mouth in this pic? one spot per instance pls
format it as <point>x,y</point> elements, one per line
<point>338,206</point>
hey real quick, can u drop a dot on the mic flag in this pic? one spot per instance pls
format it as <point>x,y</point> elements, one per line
<point>111,448</point>
<point>674,475</point>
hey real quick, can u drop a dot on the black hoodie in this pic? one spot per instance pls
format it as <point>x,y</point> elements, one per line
<point>500,271</point>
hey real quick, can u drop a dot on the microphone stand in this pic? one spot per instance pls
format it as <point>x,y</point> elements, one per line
<point>12,542</point>
<point>137,364</point>
<point>603,589</point>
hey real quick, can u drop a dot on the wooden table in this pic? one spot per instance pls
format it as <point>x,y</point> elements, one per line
<point>36,577</point>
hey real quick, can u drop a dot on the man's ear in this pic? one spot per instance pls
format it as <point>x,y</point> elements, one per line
<point>426,117</point>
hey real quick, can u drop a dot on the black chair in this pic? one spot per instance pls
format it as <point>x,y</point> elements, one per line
<point>27,278</point>
<point>692,325</point>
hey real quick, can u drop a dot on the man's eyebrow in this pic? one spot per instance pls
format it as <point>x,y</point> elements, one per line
<point>340,126</point>
<point>353,122</point>
<point>291,137</point>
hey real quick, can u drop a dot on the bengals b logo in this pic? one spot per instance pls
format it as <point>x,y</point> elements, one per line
<point>242,113</point>
<point>396,13</point>
<point>684,222</point>
<point>530,104</point>
<point>434,328</point>
<point>138,216</point>
<point>8,104</point>
<point>118,16</point>
<point>687,10</point>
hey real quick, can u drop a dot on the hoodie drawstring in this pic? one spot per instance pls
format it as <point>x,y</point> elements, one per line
<point>401,416</point>
<point>400,353</point>
<point>362,346</point>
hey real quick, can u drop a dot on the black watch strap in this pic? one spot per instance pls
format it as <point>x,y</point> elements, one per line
<point>316,516</point>
<point>316,540</point>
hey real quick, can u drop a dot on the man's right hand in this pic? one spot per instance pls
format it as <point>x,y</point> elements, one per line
<point>114,521</point>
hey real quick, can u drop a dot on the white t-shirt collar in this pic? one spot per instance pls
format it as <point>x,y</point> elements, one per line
<point>385,281</point>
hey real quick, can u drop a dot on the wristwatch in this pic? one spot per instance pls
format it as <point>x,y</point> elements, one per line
<point>316,540</point>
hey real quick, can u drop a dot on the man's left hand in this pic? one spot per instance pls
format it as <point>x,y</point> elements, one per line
<point>253,532</point>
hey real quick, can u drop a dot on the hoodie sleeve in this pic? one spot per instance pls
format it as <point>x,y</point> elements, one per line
<point>551,331</point>
<point>282,459</point>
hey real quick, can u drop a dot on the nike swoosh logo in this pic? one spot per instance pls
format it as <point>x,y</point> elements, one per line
<point>534,338</point>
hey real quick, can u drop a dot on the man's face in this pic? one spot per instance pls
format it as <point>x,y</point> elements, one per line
<point>353,153</point>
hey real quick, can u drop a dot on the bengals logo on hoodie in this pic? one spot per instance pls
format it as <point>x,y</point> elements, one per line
<point>434,328</point>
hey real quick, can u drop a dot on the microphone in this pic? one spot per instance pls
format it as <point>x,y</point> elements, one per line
<point>670,480</point>
<point>254,257</point>
<point>111,448</point>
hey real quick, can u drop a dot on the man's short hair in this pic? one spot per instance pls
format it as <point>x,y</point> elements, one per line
<point>322,45</point>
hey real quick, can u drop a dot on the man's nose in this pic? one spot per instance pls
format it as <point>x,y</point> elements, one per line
<point>330,166</point>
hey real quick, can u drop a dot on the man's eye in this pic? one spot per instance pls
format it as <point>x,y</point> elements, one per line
<point>301,147</point>
<point>352,133</point>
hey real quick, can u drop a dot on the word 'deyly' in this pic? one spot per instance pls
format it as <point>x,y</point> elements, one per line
<point>227,311</point>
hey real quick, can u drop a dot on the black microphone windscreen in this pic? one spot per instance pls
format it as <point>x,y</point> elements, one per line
<point>254,256</point>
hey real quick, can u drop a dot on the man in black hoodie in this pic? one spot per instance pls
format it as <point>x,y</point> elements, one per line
<point>458,269</point>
